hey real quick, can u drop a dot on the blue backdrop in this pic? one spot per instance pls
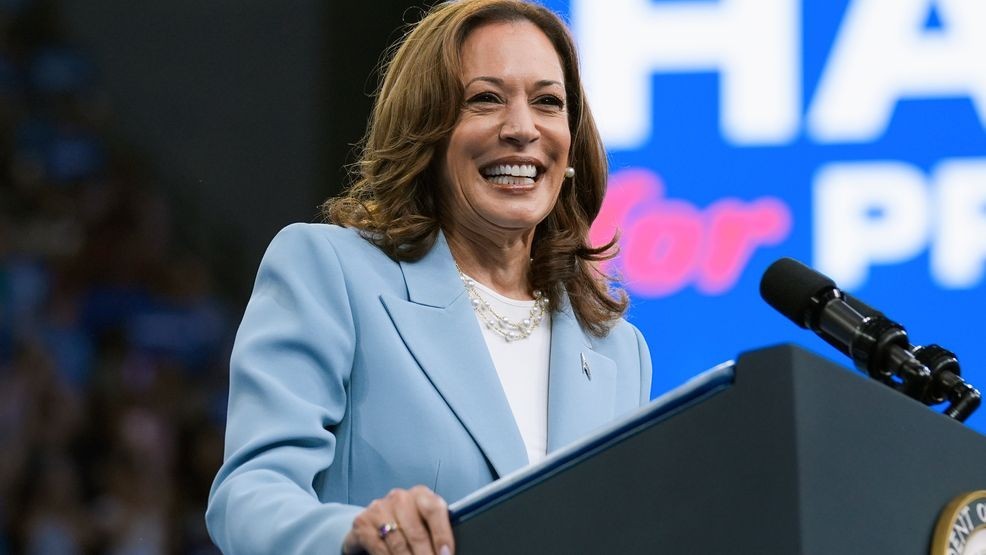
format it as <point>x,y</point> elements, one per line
<point>847,134</point>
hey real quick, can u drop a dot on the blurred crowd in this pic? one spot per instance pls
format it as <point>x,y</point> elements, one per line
<point>113,341</point>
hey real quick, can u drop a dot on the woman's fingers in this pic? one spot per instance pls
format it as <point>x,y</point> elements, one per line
<point>413,527</point>
<point>411,521</point>
<point>434,511</point>
<point>394,537</point>
<point>374,531</point>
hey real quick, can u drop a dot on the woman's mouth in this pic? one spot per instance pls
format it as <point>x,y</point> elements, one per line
<point>511,174</point>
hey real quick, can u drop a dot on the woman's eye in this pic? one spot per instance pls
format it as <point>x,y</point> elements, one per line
<point>485,98</point>
<point>551,100</point>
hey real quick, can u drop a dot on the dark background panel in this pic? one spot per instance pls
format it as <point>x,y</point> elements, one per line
<point>247,111</point>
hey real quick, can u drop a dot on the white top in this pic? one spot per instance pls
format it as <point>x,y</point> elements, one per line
<point>523,369</point>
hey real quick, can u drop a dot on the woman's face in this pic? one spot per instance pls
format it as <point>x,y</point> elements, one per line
<point>506,157</point>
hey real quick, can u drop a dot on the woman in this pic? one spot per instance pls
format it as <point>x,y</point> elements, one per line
<point>364,390</point>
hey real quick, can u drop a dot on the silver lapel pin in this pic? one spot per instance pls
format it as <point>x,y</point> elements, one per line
<point>585,367</point>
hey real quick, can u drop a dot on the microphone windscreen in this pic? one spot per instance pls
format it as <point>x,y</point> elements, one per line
<point>789,285</point>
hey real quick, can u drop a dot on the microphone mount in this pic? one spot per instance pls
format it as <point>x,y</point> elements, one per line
<point>946,383</point>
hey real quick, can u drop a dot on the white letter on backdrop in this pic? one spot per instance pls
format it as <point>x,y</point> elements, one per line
<point>865,214</point>
<point>883,53</point>
<point>754,45</point>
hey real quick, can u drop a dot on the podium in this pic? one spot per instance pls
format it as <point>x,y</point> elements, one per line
<point>784,453</point>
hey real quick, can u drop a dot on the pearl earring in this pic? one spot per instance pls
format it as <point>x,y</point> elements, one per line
<point>569,172</point>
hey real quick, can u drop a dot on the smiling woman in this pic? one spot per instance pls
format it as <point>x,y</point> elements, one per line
<point>422,99</point>
<point>404,356</point>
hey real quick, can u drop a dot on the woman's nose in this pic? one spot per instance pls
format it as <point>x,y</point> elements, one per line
<point>519,126</point>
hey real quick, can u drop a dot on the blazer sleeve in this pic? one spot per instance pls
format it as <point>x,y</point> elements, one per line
<point>289,371</point>
<point>646,370</point>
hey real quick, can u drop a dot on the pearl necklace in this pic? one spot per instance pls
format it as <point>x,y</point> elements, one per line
<point>499,324</point>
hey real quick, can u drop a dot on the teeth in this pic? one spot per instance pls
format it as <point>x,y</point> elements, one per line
<point>523,170</point>
<point>511,180</point>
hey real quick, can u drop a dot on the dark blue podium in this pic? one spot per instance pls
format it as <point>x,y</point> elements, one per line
<point>783,453</point>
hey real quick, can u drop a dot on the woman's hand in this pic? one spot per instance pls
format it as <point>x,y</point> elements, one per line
<point>405,521</point>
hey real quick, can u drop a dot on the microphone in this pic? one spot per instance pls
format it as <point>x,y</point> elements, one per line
<point>877,345</point>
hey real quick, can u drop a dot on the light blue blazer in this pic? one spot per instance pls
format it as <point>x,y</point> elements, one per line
<point>353,374</point>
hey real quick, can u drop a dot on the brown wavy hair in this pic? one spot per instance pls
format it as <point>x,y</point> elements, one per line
<point>394,198</point>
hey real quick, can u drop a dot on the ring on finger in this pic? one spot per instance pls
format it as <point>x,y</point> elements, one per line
<point>387,528</point>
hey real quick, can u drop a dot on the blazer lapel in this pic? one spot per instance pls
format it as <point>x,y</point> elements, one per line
<point>439,327</point>
<point>581,383</point>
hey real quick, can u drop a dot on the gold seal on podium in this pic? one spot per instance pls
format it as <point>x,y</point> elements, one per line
<point>961,528</point>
